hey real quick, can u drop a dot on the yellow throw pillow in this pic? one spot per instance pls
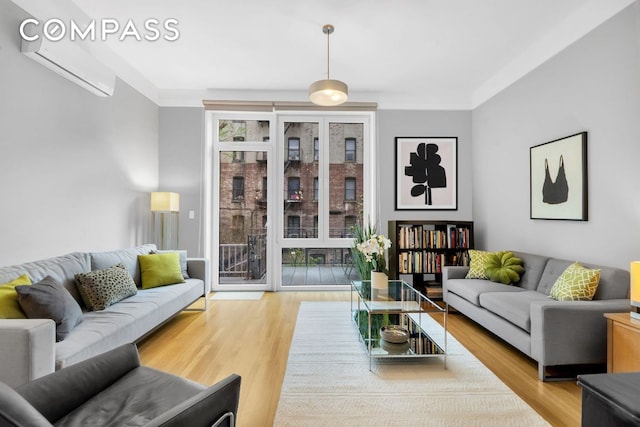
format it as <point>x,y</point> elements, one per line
<point>160,269</point>
<point>9,306</point>
<point>576,283</point>
<point>476,266</point>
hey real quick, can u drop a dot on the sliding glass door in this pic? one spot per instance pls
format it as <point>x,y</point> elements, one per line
<point>286,191</point>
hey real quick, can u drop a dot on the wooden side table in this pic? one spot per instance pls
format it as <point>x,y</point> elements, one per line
<point>623,343</point>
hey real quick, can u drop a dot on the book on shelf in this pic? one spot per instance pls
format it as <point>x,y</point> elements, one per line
<point>457,237</point>
<point>420,237</point>
<point>421,262</point>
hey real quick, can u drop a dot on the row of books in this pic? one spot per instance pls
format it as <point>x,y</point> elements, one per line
<point>420,237</point>
<point>428,262</point>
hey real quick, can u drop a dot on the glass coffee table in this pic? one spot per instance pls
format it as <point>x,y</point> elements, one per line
<point>395,322</point>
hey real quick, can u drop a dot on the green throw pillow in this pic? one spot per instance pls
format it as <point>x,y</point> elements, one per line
<point>160,269</point>
<point>476,266</point>
<point>9,306</point>
<point>503,267</point>
<point>576,283</point>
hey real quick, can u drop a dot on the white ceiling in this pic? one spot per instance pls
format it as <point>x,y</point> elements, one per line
<point>451,54</point>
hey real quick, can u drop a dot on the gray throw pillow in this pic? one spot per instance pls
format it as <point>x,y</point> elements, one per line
<point>101,288</point>
<point>48,299</point>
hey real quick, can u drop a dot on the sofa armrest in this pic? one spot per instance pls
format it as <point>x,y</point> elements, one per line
<point>571,332</point>
<point>205,408</point>
<point>51,396</point>
<point>452,272</point>
<point>198,268</point>
<point>27,350</point>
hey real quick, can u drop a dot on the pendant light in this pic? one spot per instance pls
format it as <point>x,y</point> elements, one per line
<point>328,93</point>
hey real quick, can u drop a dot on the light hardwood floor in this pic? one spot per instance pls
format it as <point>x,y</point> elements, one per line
<point>252,338</point>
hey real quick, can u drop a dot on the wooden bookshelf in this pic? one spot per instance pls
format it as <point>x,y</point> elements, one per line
<point>420,249</point>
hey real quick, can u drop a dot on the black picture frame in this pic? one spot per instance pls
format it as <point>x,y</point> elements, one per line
<point>426,173</point>
<point>558,179</point>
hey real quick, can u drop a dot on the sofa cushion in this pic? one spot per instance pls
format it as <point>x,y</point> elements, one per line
<point>62,268</point>
<point>533,267</point>
<point>503,267</point>
<point>102,288</point>
<point>512,306</point>
<point>127,257</point>
<point>125,322</point>
<point>48,299</point>
<point>576,283</point>
<point>472,289</point>
<point>9,306</point>
<point>160,269</point>
<point>476,266</point>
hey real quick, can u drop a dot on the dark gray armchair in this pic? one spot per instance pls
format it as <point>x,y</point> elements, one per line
<point>112,389</point>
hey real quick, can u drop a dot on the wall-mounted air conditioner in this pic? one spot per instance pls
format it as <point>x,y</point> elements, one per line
<point>72,62</point>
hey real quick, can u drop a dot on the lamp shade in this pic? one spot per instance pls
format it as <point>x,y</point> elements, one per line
<point>165,202</point>
<point>328,92</point>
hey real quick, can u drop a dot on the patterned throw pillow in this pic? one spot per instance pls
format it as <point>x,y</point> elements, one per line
<point>576,283</point>
<point>476,266</point>
<point>503,267</point>
<point>9,306</point>
<point>101,288</point>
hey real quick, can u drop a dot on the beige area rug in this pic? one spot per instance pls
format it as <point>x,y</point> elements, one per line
<point>226,295</point>
<point>328,382</point>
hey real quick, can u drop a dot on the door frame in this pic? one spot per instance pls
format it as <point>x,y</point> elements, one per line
<point>217,147</point>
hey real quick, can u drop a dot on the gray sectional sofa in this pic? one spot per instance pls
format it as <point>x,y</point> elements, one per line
<point>28,347</point>
<point>553,333</point>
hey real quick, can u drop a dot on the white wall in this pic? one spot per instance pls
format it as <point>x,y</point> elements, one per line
<point>75,169</point>
<point>181,139</point>
<point>593,86</point>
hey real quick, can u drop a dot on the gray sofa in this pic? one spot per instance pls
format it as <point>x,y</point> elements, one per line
<point>553,333</point>
<point>28,347</point>
<point>120,393</point>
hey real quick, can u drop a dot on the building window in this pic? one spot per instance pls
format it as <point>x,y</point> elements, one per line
<point>350,189</point>
<point>293,226</point>
<point>350,223</point>
<point>238,156</point>
<point>316,189</point>
<point>315,226</point>
<point>293,188</point>
<point>294,149</point>
<point>264,188</point>
<point>238,188</point>
<point>316,149</point>
<point>349,149</point>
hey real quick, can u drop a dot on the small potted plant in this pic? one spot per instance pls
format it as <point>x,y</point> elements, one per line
<point>374,249</point>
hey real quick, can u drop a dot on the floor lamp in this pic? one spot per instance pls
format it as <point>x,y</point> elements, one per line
<point>165,211</point>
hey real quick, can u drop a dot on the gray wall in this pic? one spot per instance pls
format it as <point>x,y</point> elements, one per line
<point>75,169</point>
<point>393,123</point>
<point>181,139</point>
<point>593,86</point>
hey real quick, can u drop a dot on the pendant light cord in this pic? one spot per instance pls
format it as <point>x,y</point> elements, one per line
<point>328,75</point>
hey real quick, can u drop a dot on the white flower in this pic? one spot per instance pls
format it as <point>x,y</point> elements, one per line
<point>373,249</point>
